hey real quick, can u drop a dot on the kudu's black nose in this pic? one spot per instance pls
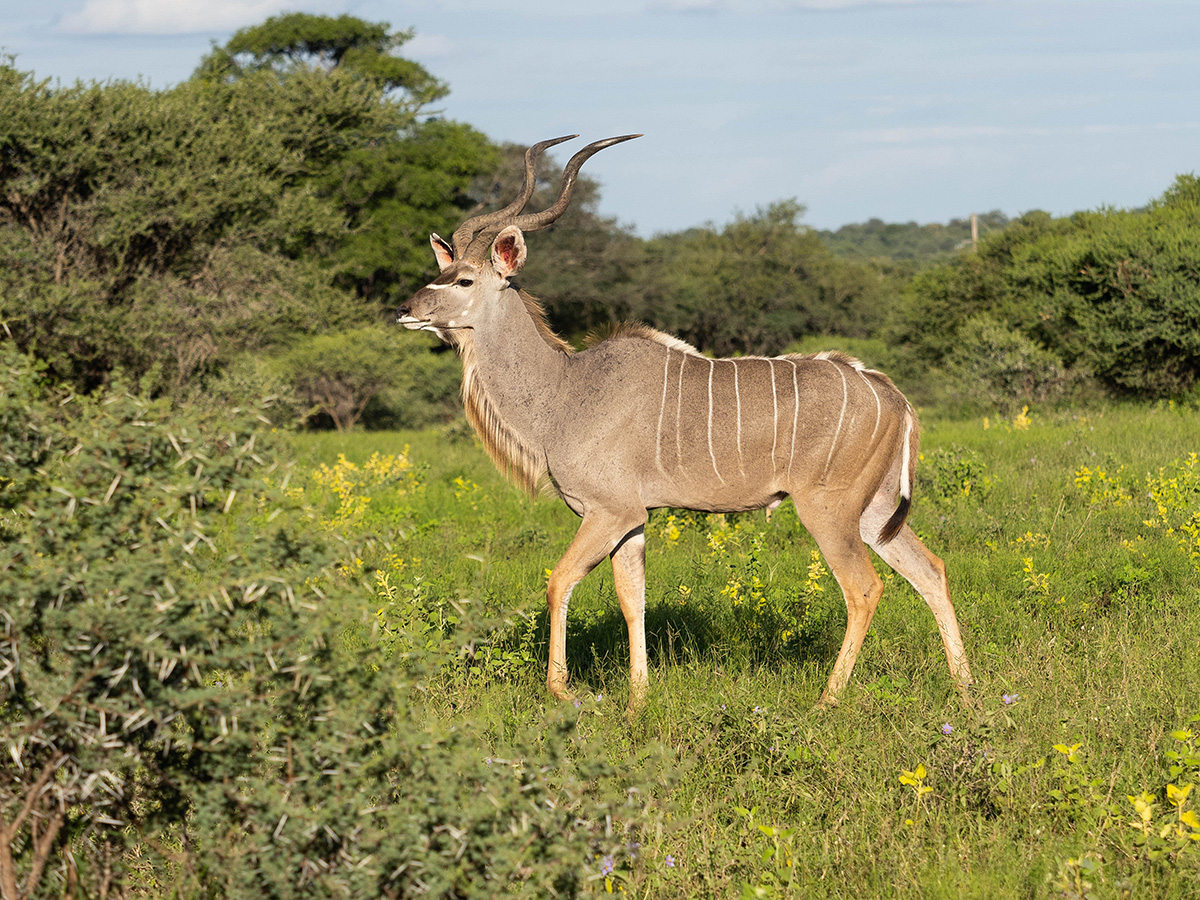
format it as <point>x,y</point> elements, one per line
<point>401,311</point>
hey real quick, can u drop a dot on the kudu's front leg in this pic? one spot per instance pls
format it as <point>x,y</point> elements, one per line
<point>629,578</point>
<point>598,536</point>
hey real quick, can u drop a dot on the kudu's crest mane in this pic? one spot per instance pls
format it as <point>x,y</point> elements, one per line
<point>637,331</point>
<point>845,359</point>
<point>541,321</point>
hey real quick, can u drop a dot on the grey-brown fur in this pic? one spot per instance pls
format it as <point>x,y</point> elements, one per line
<point>641,420</point>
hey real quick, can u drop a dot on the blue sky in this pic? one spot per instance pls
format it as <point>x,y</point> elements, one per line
<point>899,109</point>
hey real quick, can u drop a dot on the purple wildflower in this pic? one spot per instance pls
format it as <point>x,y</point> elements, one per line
<point>607,865</point>
<point>947,728</point>
<point>1010,699</point>
<point>670,861</point>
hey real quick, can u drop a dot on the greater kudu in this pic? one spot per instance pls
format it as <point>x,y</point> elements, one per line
<point>642,420</point>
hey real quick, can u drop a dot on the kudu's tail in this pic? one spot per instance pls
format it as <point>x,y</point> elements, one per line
<point>908,453</point>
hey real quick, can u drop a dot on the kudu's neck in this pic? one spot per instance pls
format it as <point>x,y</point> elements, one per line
<point>511,378</point>
<point>518,368</point>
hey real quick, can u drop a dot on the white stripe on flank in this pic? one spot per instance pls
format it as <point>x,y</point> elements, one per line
<point>878,405</point>
<point>775,409</point>
<point>795,420</point>
<point>905,480</point>
<point>841,418</point>
<point>738,396</point>
<point>712,365</point>
<point>678,415</point>
<point>662,407</point>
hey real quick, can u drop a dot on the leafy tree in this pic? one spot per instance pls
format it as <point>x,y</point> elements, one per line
<point>761,283</point>
<point>159,232</point>
<point>1124,294</point>
<point>394,190</point>
<point>302,40</point>
<point>940,300</point>
<point>287,189</point>
<point>394,194</point>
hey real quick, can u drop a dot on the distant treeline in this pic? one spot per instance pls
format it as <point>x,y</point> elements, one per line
<point>922,244</point>
<point>250,230</point>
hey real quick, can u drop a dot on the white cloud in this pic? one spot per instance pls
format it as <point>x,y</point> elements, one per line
<point>167,16</point>
<point>756,6</point>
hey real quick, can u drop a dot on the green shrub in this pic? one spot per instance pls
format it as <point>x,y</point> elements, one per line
<point>1113,293</point>
<point>154,589</point>
<point>381,376</point>
<point>251,380</point>
<point>185,674</point>
<point>1000,368</point>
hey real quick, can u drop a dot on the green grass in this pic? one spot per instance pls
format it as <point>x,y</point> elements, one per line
<point>1076,593</point>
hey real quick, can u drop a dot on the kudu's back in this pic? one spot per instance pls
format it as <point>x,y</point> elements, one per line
<point>657,418</point>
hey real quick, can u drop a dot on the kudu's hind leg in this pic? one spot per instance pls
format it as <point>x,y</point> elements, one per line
<point>927,574</point>
<point>598,536</point>
<point>861,586</point>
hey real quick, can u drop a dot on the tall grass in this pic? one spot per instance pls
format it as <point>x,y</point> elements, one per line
<point>1073,548</point>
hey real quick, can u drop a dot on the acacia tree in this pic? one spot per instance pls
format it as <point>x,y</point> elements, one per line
<point>339,374</point>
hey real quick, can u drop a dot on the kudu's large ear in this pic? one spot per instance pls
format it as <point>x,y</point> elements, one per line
<point>508,252</point>
<point>443,251</point>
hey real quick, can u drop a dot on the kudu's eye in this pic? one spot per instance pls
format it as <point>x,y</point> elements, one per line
<point>464,282</point>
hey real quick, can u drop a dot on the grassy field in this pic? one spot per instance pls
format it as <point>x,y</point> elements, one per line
<point>1073,549</point>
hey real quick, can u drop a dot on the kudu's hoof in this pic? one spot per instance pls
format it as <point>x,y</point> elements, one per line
<point>636,705</point>
<point>827,702</point>
<point>965,694</point>
<point>561,692</point>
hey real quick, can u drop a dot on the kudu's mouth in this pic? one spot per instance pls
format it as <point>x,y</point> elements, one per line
<point>412,323</point>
